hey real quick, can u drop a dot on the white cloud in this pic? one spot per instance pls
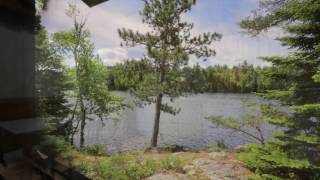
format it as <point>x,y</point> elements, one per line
<point>104,20</point>
<point>103,23</point>
<point>113,56</point>
<point>237,46</point>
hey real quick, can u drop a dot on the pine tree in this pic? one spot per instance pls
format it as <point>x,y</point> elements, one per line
<point>50,79</point>
<point>50,85</point>
<point>168,47</point>
<point>295,154</point>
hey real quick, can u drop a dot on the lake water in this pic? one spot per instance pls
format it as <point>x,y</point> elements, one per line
<point>189,128</point>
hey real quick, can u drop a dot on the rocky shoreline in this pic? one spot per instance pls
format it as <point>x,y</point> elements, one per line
<point>207,166</point>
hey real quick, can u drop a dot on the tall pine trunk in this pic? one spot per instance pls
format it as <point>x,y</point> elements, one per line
<point>154,139</point>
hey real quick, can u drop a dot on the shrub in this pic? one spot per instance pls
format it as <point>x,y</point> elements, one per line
<point>172,148</point>
<point>123,166</point>
<point>218,146</point>
<point>95,150</point>
<point>129,166</point>
<point>58,147</point>
<point>87,168</point>
<point>172,164</point>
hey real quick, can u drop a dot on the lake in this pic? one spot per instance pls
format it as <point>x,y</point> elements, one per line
<point>189,128</point>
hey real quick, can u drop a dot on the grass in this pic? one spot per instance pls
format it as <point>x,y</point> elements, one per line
<point>95,150</point>
<point>219,146</point>
<point>127,166</point>
<point>95,165</point>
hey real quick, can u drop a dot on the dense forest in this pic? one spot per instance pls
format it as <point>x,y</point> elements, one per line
<point>243,78</point>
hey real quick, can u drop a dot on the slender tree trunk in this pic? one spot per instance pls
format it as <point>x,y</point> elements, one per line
<point>81,92</point>
<point>82,109</point>
<point>73,130</point>
<point>71,140</point>
<point>154,139</point>
<point>261,135</point>
<point>83,123</point>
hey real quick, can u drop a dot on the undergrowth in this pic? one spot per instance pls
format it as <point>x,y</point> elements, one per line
<point>91,162</point>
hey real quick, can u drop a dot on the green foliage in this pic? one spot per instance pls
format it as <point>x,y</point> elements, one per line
<point>88,169</point>
<point>296,151</point>
<point>124,167</point>
<point>274,156</point>
<point>58,147</point>
<point>270,157</point>
<point>126,76</point>
<point>50,85</point>
<point>172,148</point>
<point>41,5</point>
<point>253,120</point>
<point>90,93</point>
<point>195,79</point>
<point>281,95</point>
<point>165,57</point>
<point>316,77</point>
<point>172,164</point>
<point>130,166</point>
<point>243,78</point>
<point>168,46</point>
<point>95,150</point>
<point>219,146</point>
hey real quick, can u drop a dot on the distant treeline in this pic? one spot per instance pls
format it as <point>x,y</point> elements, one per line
<point>243,78</point>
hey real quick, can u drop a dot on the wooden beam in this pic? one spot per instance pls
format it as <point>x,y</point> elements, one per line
<point>92,3</point>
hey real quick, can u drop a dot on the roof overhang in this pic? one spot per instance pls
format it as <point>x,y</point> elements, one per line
<point>92,3</point>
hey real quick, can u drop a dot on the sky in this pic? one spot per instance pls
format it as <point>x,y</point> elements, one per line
<point>222,16</point>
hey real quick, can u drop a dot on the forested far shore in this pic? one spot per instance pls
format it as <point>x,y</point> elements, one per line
<point>242,78</point>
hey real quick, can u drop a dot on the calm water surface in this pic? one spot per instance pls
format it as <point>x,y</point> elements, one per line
<point>189,128</point>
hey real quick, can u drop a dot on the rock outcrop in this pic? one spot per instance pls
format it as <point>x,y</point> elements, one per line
<point>216,166</point>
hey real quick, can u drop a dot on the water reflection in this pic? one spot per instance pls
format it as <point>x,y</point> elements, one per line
<point>189,128</point>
